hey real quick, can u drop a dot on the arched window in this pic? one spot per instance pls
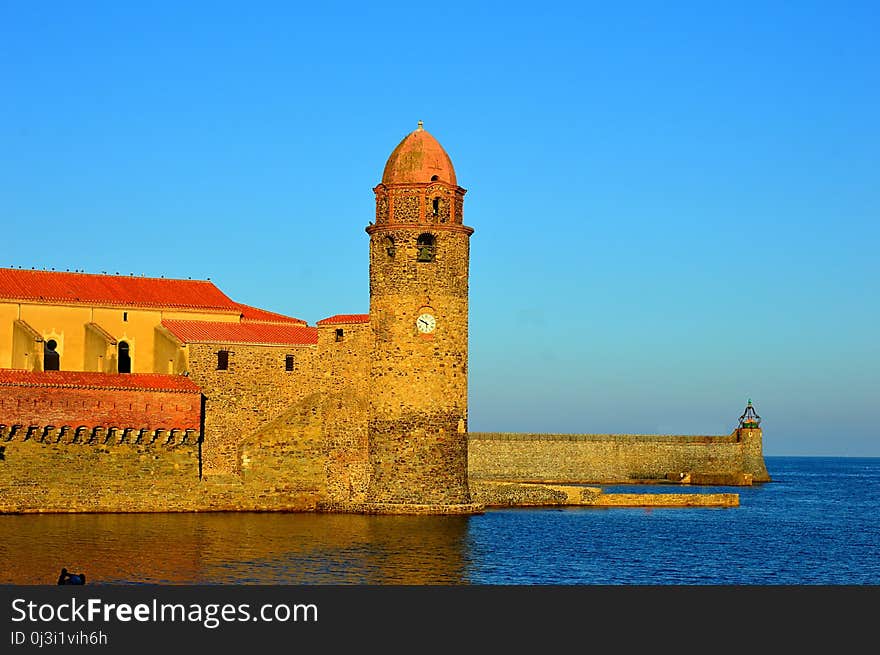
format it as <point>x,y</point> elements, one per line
<point>124,365</point>
<point>51,358</point>
<point>435,206</point>
<point>389,247</point>
<point>426,248</point>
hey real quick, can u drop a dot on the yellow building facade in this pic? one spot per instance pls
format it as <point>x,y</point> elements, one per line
<point>98,322</point>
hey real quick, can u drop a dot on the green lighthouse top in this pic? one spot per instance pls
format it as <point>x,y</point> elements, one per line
<point>749,418</point>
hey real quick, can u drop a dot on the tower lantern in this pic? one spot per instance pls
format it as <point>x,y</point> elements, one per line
<point>749,418</point>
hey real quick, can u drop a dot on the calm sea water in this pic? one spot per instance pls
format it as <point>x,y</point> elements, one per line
<point>818,522</point>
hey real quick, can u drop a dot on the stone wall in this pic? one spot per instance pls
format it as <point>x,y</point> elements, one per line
<point>344,382</point>
<point>108,475</point>
<point>418,397</point>
<point>288,454</point>
<point>406,205</point>
<point>288,465</point>
<point>315,447</point>
<point>300,440</point>
<point>607,458</point>
<point>254,390</point>
<point>98,477</point>
<point>318,444</point>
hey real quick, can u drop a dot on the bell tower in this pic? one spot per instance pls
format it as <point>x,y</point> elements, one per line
<point>419,252</point>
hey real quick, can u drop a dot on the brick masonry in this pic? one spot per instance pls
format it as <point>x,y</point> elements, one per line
<point>122,408</point>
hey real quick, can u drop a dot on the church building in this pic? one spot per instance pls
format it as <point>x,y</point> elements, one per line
<point>381,398</point>
<point>125,393</point>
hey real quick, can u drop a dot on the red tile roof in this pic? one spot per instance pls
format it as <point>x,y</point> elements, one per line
<point>345,318</point>
<point>255,314</point>
<point>89,380</point>
<point>122,290</point>
<point>271,334</point>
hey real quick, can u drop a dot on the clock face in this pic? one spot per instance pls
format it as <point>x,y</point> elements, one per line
<point>426,323</point>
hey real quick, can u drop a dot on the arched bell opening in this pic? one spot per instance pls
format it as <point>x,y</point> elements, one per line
<point>426,246</point>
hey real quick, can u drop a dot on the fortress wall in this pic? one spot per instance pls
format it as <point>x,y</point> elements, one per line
<point>252,392</point>
<point>287,456</point>
<point>316,447</point>
<point>284,465</point>
<point>605,458</point>
<point>98,477</point>
<point>103,473</point>
<point>318,444</point>
<point>344,381</point>
<point>74,407</point>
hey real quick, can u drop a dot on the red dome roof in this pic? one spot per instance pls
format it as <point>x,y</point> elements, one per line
<point>419,158</point>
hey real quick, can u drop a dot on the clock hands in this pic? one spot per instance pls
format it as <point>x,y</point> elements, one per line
<point>426,323</point>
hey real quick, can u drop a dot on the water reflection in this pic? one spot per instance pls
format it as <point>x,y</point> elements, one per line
<point>244,548</point>
<point>815,524</point>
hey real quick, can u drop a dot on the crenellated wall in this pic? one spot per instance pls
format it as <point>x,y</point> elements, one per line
<point>98,472</point>
<point>107,472</point>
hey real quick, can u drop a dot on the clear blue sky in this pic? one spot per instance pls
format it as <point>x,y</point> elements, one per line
<point>676,204</point>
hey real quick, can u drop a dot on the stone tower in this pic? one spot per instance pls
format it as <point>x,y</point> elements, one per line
<point>419,251</point>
